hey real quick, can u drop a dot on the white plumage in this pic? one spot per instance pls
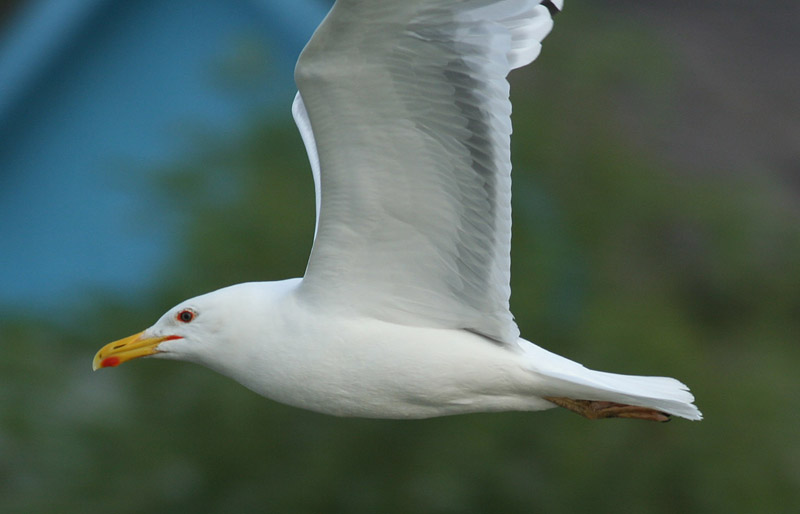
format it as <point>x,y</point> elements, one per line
<point>404,308</point>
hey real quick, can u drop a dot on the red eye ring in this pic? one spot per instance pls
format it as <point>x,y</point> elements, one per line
<point>185,316</point>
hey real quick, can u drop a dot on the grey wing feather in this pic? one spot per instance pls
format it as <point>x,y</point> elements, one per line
<point>409,119</point>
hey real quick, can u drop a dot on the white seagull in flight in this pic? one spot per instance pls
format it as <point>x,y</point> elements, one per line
<point>403,311</point>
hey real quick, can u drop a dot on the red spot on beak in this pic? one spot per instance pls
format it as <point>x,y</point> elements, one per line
<point>172,338</point>
<point>109,362</point>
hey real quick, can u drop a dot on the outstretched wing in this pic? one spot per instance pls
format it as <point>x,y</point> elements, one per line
<point>404,107</point>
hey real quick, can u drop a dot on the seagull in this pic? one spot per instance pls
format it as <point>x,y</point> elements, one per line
<point>403,310</point>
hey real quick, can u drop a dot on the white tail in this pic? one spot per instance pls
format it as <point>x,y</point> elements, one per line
<point>570,379</point>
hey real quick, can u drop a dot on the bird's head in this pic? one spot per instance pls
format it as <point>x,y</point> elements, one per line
<point>175,335</point>
<point>202,329</point>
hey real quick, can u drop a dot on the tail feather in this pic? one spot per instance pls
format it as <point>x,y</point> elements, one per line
<point>572,380</point>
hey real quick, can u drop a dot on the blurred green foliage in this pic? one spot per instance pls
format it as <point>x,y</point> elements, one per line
<point>620,262</point>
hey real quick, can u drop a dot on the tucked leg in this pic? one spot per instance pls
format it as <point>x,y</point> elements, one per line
<point>598,410</point>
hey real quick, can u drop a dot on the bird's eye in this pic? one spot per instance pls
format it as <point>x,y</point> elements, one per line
<point>185,316</point>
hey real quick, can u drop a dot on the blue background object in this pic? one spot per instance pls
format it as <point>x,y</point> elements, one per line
<point>95,92</point>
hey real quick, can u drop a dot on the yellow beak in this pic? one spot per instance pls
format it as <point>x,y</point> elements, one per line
<point>135,346</point>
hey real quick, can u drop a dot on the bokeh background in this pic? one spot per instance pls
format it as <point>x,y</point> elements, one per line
<point>147,155</point>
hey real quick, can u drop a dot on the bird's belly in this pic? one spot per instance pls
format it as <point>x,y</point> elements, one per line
<point>376,369</point>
